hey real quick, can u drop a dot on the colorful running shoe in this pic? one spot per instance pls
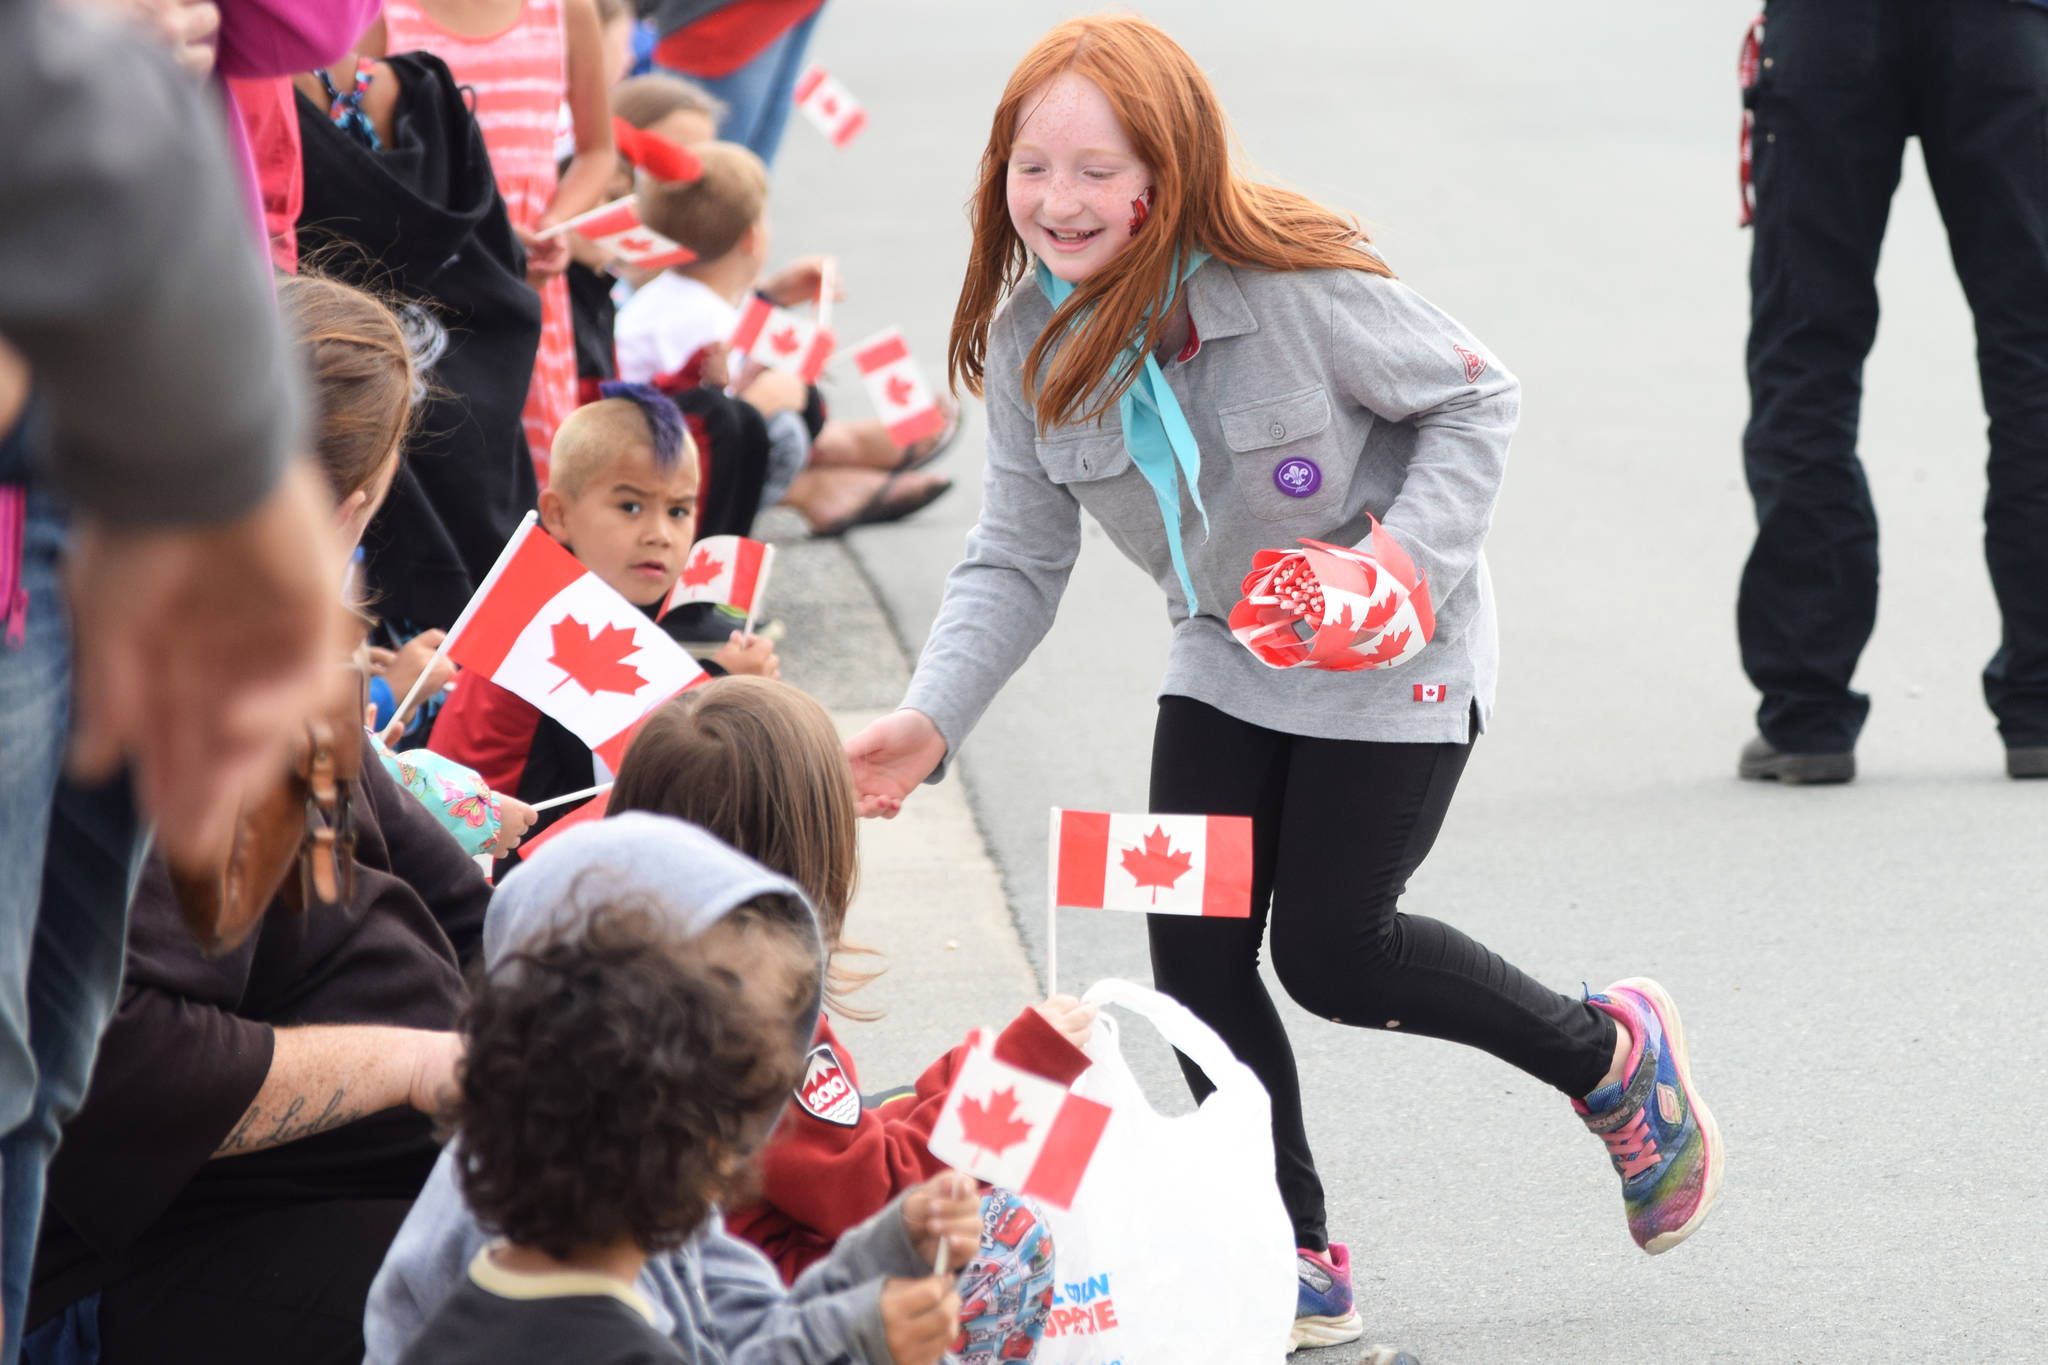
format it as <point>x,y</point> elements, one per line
<point>1323,1311</point>
<point>1662,1140</point>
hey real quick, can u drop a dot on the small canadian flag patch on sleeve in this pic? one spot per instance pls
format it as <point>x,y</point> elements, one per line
<point>1429,691</point>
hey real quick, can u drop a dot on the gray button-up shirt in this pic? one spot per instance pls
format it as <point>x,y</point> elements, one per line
<point>1318,397</point>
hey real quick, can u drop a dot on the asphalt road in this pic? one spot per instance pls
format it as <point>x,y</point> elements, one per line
<point>1859,967</point>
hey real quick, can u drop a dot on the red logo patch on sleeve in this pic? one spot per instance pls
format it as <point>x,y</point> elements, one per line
<point>826,1092</point>
<point>1475,364</point>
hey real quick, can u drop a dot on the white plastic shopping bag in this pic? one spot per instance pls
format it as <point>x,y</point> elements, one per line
<point>1177,1250</point>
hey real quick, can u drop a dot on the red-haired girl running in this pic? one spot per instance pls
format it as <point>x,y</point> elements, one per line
<point>1219,370</point>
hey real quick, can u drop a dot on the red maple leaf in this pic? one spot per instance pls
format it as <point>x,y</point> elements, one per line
<point>1381,612</point>
<point>785,341</point>
<point>992,1124</point>
<point>1332,644</point>
<point>597,663</point>
<point>828,106</point>
<point>641,243</point>
<point>1390,648</point>
<point>1157,865</point>
<point>702,569</point>
<point>898,390</point>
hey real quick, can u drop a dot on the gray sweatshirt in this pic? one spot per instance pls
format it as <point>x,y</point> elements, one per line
<point>717,1297</point>
<point>1402,413</point>
<point>130,279</point>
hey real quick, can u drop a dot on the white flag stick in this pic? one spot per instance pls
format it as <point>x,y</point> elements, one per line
<point>1052,906</point>
<point>939,1261</point>
<point>393,730</point>
<point>828,285</point>
<point>760,590</point>
<point>599,790</point>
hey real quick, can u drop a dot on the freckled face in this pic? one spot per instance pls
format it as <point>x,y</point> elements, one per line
<point>1072,178</point>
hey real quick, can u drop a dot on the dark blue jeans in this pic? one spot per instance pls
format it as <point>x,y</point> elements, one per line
<point>759,96</point>
<point>1848,81</point>
<point>68,858</point>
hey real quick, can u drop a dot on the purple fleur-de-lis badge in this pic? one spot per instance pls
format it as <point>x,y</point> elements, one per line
<point>1297,477</point>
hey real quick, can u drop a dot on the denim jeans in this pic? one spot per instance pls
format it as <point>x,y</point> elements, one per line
<point>68,859</point>
<point>759,95</point>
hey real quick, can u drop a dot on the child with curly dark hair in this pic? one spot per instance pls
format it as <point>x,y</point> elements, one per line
<point>618,1081</point>
<point>601,1123</point>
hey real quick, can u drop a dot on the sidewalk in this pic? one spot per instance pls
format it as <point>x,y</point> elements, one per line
<point>931,899</point>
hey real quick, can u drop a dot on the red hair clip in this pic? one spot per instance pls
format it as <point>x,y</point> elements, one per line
<point>654,154</point>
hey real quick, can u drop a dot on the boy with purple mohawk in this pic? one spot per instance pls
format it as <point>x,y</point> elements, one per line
<point>622,497</point>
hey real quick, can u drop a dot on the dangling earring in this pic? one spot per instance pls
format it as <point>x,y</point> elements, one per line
<point>1140,208</point>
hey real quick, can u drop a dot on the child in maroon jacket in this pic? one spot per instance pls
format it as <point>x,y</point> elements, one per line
<point>757,763</point>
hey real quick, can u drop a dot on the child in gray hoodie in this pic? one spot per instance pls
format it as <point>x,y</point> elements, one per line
<point>716,1297</point>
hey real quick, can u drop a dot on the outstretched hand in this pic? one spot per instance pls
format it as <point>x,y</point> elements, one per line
<point>198,650</point>
<point>890,757</point>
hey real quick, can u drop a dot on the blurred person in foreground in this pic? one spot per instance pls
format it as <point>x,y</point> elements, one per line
<point>148,418</point>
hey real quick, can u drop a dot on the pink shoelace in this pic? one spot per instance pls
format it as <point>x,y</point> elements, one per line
<point>1632,1147</point>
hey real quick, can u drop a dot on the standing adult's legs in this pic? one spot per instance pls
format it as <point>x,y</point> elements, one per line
<point>1207,763</point>
<point>35,690</point>
<point>1357,820</point>
<point>759,95</point>
<point>1985,108</point>
<point>1831,124</point>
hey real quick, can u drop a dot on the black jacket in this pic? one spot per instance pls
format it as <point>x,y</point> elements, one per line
<point>422,218</point>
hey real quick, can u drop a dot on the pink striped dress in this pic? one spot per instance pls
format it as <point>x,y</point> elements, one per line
<point>520,77</point>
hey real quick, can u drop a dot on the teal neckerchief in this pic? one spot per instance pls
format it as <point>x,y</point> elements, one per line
<point>1155,432</point>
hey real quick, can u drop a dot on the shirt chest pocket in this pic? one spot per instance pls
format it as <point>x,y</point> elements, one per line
<point>1281,456</point>
<point>1088,458</point>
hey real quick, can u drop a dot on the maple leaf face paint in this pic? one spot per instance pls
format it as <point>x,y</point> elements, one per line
<point>630,523</point>
<point>1073,179</point>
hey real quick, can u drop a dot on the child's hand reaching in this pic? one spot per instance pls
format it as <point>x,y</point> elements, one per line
<point>715,369</point>
<point>401,667</point>
<point>921,1318</point>
<point>545,256</point>
<point>798,282</point>
<point>515,817</point>
<point>948,1205</point>
<point>748,654</point>
<point>1074,1020</point>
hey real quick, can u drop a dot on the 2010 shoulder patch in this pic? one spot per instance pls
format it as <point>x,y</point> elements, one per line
<point>826,1092</point>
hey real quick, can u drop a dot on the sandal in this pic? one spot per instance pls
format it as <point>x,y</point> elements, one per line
<point>932,446</point>
<point>881,508</point>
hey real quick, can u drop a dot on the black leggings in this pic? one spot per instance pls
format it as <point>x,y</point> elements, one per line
<point>1337,828</point>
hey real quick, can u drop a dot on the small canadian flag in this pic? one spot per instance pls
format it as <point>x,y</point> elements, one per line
<point>829,105</point>
<point>1155,864</point>
<point>1429,691</point>
<point>616,228</point>
<point>782,340</point>
<point>1016,1129</point>
<point>545,628</point>
<point>898,390</point>
<point>723,569</point>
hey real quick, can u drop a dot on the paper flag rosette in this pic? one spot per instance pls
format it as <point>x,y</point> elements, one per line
<point>1326,606</point>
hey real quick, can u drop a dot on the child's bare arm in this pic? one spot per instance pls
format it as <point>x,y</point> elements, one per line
<point>582,184</point>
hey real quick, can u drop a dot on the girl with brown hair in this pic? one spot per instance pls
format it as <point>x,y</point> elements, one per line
<point>368,365</point>
<point>757,763</point>
<point>1232,382</point>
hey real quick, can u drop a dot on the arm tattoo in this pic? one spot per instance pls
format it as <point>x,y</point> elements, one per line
<point>258,1130</point>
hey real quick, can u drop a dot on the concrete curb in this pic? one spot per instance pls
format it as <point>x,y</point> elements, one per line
<point>931,901</point>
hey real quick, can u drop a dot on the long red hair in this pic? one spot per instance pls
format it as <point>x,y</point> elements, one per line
<point>1178,129</point>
